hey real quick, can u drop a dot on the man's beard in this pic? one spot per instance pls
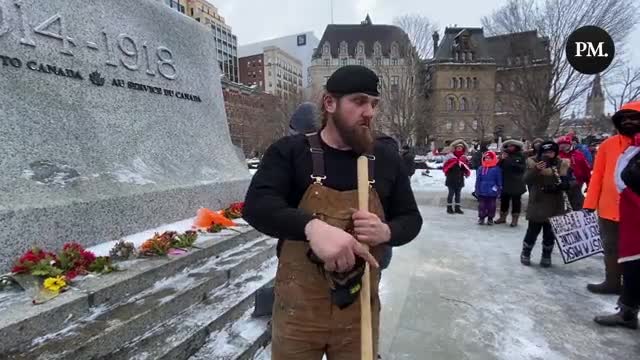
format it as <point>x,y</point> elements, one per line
<point>629,129</point>
<point>357,137</point>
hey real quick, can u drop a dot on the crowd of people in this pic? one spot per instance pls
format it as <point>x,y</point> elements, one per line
<point>557,174</point>
<point>305,193</point>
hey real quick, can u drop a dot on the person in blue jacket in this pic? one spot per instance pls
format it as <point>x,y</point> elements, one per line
<point>488,187</point>
<point>584,149</point>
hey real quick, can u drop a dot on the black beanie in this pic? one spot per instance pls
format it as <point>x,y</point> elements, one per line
<point>353,79</point>
<point>548,146</point>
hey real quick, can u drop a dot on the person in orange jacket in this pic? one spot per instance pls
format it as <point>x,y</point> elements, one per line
<point>603,196</point>
<point>627,178</point>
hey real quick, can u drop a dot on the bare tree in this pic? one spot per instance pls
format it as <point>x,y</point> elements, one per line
<point>419,29</point>
<point>624,87</point>
<point>544,98</point>
<point>403,105</point>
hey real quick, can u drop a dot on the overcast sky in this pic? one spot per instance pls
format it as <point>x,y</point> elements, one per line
<point>254,20</point>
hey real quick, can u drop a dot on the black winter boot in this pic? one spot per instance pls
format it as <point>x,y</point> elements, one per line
<point>625,317</point>
<point>481,221</point>
<point>450,209</point>
<point>490,222</point>
<point>545,261</point>
<point>514,220</point>
<point>459,210</point>
<point>525,256</point>
<point>502,219</point>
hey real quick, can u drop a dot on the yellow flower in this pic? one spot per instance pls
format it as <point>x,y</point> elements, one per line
<point>55,284</point>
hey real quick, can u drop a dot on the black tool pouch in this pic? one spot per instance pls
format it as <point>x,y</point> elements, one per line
<point>345,287</point>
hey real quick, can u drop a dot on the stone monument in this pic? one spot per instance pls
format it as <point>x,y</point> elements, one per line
<point>112,121</point>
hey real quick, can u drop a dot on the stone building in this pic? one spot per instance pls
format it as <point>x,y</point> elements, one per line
<point>385,49</point>
<point>273,71</point>
<point>254,118</point>
<point>226,42</point>
<point>475,81</point>
<point>301,46</point>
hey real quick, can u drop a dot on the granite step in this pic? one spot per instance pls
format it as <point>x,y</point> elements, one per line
<point>241,340</point>
<point>21,322</point>
<point>131,313</point>
<point>213,319</point>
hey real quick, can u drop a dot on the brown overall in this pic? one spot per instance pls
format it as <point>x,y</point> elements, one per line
<point>305,323</point>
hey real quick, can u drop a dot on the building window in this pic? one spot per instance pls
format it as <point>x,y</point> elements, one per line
<point>512,86</point>
<point>452,83</point>
<point>474,124</point>
<point>360,49</point>
<point>327,62</point>
<point>344,49</point>
<point>464,56</point>
<point>455,83</point>
<point>469,83</point>
<point>377,49</point>
<point>395,80</point>
<point>270,84</point>
<point>449,125</point>
<point>360,61</point>
<point>461,81</point>
<point>526,60</point>
<point>451,103</point>
<point>461,125</point>
<point>302,40</point>
<point>499,107</point>
<point>498,87</point>
<point>394,61</point>
<point>378,61</point>
<point>470,56</point>
<point>517,60</point>
<point>344,62</point>
<point>476,83</point>
<point>326,50</point>
<point>464,104</point>
<point>457,56</point>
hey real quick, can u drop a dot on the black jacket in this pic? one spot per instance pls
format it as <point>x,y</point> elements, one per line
<point>271,203</point>
<point>631,174</point>
<point>513,168</point>
<point>409,159</point>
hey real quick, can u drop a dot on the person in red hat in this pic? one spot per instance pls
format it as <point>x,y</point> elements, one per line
<point>603,196</point>
<point>580,168</point>
<point>627,180</point>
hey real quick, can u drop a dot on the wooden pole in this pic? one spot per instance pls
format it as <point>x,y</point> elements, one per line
<point>366,330</point>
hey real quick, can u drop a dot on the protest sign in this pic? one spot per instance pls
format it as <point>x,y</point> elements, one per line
<point>577,234</point>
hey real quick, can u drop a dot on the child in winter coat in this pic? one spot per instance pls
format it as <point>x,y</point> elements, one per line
<point>456,168</point>
<point>488,187</point>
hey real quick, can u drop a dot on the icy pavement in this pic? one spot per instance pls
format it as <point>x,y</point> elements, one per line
<point>459,292</point>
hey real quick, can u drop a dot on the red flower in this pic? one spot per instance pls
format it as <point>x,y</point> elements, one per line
<point>88,258</point>
<point>31,258</point>
<point>70,275</point>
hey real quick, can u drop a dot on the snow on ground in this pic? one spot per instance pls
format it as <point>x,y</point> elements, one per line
<point>436,179</point>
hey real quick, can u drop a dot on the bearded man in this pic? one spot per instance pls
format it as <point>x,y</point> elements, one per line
<point>305,194</point>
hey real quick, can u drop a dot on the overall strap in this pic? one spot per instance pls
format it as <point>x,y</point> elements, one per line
<point>372,163</point>
<point>317,157</point>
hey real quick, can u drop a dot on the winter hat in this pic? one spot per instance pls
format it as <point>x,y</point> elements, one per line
<point>548,146</point>
<point>388,141</point>
<point>564,140</point>
<point>352,79</point>
<point>517,143</point>
<point>537,141</point>
<point>303,119</point>
<point>628,108</point>
<point>458,142</point>
<point>492,162</point>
